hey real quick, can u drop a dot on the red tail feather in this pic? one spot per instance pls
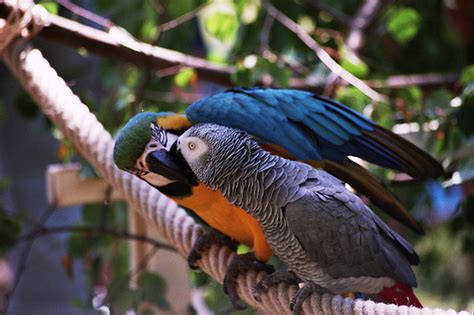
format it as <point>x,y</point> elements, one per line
<point>400,294</point>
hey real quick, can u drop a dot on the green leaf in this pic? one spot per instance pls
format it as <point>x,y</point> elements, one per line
<point>125,299</point>
<point>403,24</point>
<point>280,75</point>
<point>307,23</point>
<point>79,243</point>
<point>4,183</point>
<point>355,66</point>
<point>9,232</point>
<point>352,97</point>
<point>50,6</point>
<point>148,312</point>
<point>439,98</point>
<point>412,94</point>
<point>243,249</point>
<point>222,26</point>
<point>184,77</point>
<point>382,115</point>
<point>92,214</point>
<point>153,289</point>
<point>26,106</point>
<point>198,278</point>
<point>248,10</point>
<point>177,8</point>
<point>467,75</point>
<point>149,30</point>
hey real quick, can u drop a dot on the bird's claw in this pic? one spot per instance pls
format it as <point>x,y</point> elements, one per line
<point>273,279</point>
<point>239,263</point>
<point>205,242</point>
<point>303,293</point>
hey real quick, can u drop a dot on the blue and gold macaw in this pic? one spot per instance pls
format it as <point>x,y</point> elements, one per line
<point>294,124</point>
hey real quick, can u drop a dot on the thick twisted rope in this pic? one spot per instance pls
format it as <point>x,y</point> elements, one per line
<point>94,143</point>
<point>26,21</point>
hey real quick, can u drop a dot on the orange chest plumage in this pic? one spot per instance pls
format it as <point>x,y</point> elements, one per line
<point>215,210</point>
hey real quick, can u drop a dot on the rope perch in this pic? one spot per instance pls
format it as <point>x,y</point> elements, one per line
<point>94,143</point>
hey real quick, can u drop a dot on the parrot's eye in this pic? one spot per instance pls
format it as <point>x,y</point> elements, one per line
<point>191,145</point>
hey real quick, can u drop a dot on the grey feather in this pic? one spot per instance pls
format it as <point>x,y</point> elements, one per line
<point>322,231</point>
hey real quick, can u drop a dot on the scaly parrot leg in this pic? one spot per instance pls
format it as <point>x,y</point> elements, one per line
<point>240,263</point>
<point>303,293</point>
<point>205,242</point>
<point>273,279</point>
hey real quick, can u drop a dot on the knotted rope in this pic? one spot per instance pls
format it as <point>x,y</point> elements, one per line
<point>94,143</point>
<point>26,21</point>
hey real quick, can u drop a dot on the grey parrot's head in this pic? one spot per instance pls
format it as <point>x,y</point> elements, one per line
<point>214,152</point>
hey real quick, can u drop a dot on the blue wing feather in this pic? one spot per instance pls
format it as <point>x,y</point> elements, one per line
<point>309,126</point>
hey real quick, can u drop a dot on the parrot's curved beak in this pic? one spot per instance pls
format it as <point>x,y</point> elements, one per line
<point>171,166</point>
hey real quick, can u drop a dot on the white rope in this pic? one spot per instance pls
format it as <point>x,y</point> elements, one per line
<point>92,141</point>
<point>25,20</point>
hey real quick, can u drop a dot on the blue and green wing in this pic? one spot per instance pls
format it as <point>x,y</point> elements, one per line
<point>312,128</point>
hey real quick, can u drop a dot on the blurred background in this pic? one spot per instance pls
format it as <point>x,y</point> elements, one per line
<point>417,55</point>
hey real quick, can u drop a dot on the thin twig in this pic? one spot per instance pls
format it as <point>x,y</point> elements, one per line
<point>157,6</point>
<point>131,273</point>
<point>294,65</point>
<point>19,273</point>
<point>74,34</point>
<point>24,258</point>
<point>77,35</point>
<point>166,72</point>
<point>94,230</point>
<point>364,17</point>
<point>86,14</point>
<point>105,209</point>
<point>181,19</point>
<point>265,33</point>
<point>356,35</point>
<point>424,80</point>
<point>323,55</point>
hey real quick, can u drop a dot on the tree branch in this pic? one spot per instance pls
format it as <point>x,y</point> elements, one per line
<point>86,14</point>
<point>24,258</point>
<point>124,48</point>
<point>323,55</point>
<point>364,17</point>
<point>181,19</point>
<point>76,35</point>
<point>423,80</point>
<point>42,231</point>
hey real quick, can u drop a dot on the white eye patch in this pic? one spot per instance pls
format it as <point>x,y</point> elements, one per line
<point>191,148</point>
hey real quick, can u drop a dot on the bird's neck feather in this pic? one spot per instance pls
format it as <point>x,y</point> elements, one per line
<point>242,179</point>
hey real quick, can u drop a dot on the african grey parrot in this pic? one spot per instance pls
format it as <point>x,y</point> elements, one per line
<point>327,236</point>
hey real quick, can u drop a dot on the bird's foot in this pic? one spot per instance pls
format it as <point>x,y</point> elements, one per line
<point>240,263</point>
<point>272,279</point>
<point>303,293</point>
<point>205,242</point>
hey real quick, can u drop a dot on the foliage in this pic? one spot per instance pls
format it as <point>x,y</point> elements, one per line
<point>406,37</point>
<point>10,229</point>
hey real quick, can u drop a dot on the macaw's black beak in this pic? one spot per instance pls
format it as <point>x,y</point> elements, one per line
<point>171,166</point>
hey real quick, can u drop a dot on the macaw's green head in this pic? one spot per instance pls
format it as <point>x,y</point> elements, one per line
<point>143,139</point>
<point>133,139</point>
